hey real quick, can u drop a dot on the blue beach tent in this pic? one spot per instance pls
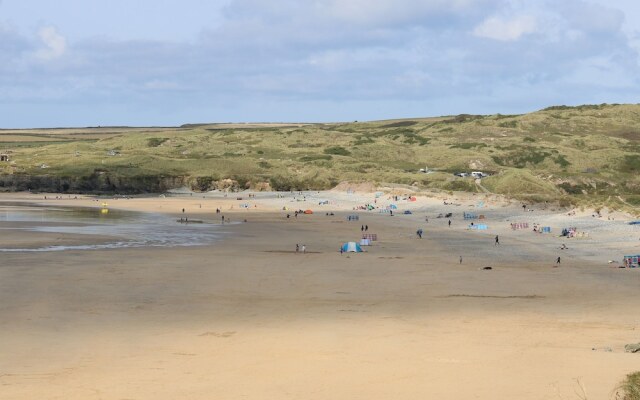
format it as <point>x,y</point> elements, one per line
<point>351,247</point>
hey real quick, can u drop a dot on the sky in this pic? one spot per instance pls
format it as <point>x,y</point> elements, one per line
<point>164,63</point>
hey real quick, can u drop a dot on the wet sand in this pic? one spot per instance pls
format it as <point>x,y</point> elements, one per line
<point>248,318</point>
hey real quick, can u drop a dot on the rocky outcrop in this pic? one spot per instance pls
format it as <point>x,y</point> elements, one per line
<point>97,182</point>
<point>632,348</point>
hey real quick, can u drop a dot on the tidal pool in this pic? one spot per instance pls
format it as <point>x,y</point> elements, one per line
<point>128,229</point>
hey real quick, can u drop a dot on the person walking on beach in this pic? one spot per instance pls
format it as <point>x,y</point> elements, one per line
<point>497,241</point>
<point>449,223</point>
<point>223,220</point>
<point>362,228</point>
<point>366,228</point>
<point>297,247</point>
<point>558,261</point>
<point>460,259</point>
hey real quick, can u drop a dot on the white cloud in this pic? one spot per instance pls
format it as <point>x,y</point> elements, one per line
<point>382,12</point>
<point>343,14</point>
<point>499,28</point>
<point>55,45</point>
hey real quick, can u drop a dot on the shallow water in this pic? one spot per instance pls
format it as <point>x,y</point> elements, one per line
<point>128,229</point>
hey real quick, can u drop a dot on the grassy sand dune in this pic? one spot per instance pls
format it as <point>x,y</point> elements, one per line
<point>582,155</point>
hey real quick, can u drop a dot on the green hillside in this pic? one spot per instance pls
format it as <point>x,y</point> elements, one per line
<point>587,154</point>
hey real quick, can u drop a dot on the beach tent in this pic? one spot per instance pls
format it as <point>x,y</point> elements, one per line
<point>480,227</point>
<point>308,212</point>
<point>412,198</point>
<point>393,207</point>
<point>631,261</point>
<point>351,247</point>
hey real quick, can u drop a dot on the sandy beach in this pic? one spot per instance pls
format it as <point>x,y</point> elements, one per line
<point>246,317</point>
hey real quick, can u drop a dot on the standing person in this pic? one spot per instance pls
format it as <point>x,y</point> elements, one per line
<point>449,223</point>
<point>558,261</point>
<point>223,220</point>
<point>497,240</point>
<point>366,228</point>
<point>297,247</point>
<point>460,259</point>
<point>183,210</point>
<point>362,228</point>
<point>304,248</point>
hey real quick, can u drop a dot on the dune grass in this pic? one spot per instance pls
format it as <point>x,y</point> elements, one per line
<point>585,155</point>
<point>630,388</point>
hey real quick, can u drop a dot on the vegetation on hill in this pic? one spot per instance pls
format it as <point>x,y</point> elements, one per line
<point>587,154</point>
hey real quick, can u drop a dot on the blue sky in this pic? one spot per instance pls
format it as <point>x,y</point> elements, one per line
<point>160,62</point>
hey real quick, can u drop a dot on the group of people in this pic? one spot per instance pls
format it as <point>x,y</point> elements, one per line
<point>302,248</point>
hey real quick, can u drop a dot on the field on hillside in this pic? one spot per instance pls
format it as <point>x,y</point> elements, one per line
<point>585,154</point>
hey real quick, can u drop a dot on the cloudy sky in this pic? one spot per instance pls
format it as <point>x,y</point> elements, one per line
<point>169,62</point>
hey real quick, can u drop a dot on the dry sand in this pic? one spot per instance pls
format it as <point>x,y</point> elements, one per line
<point>248,318</point>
